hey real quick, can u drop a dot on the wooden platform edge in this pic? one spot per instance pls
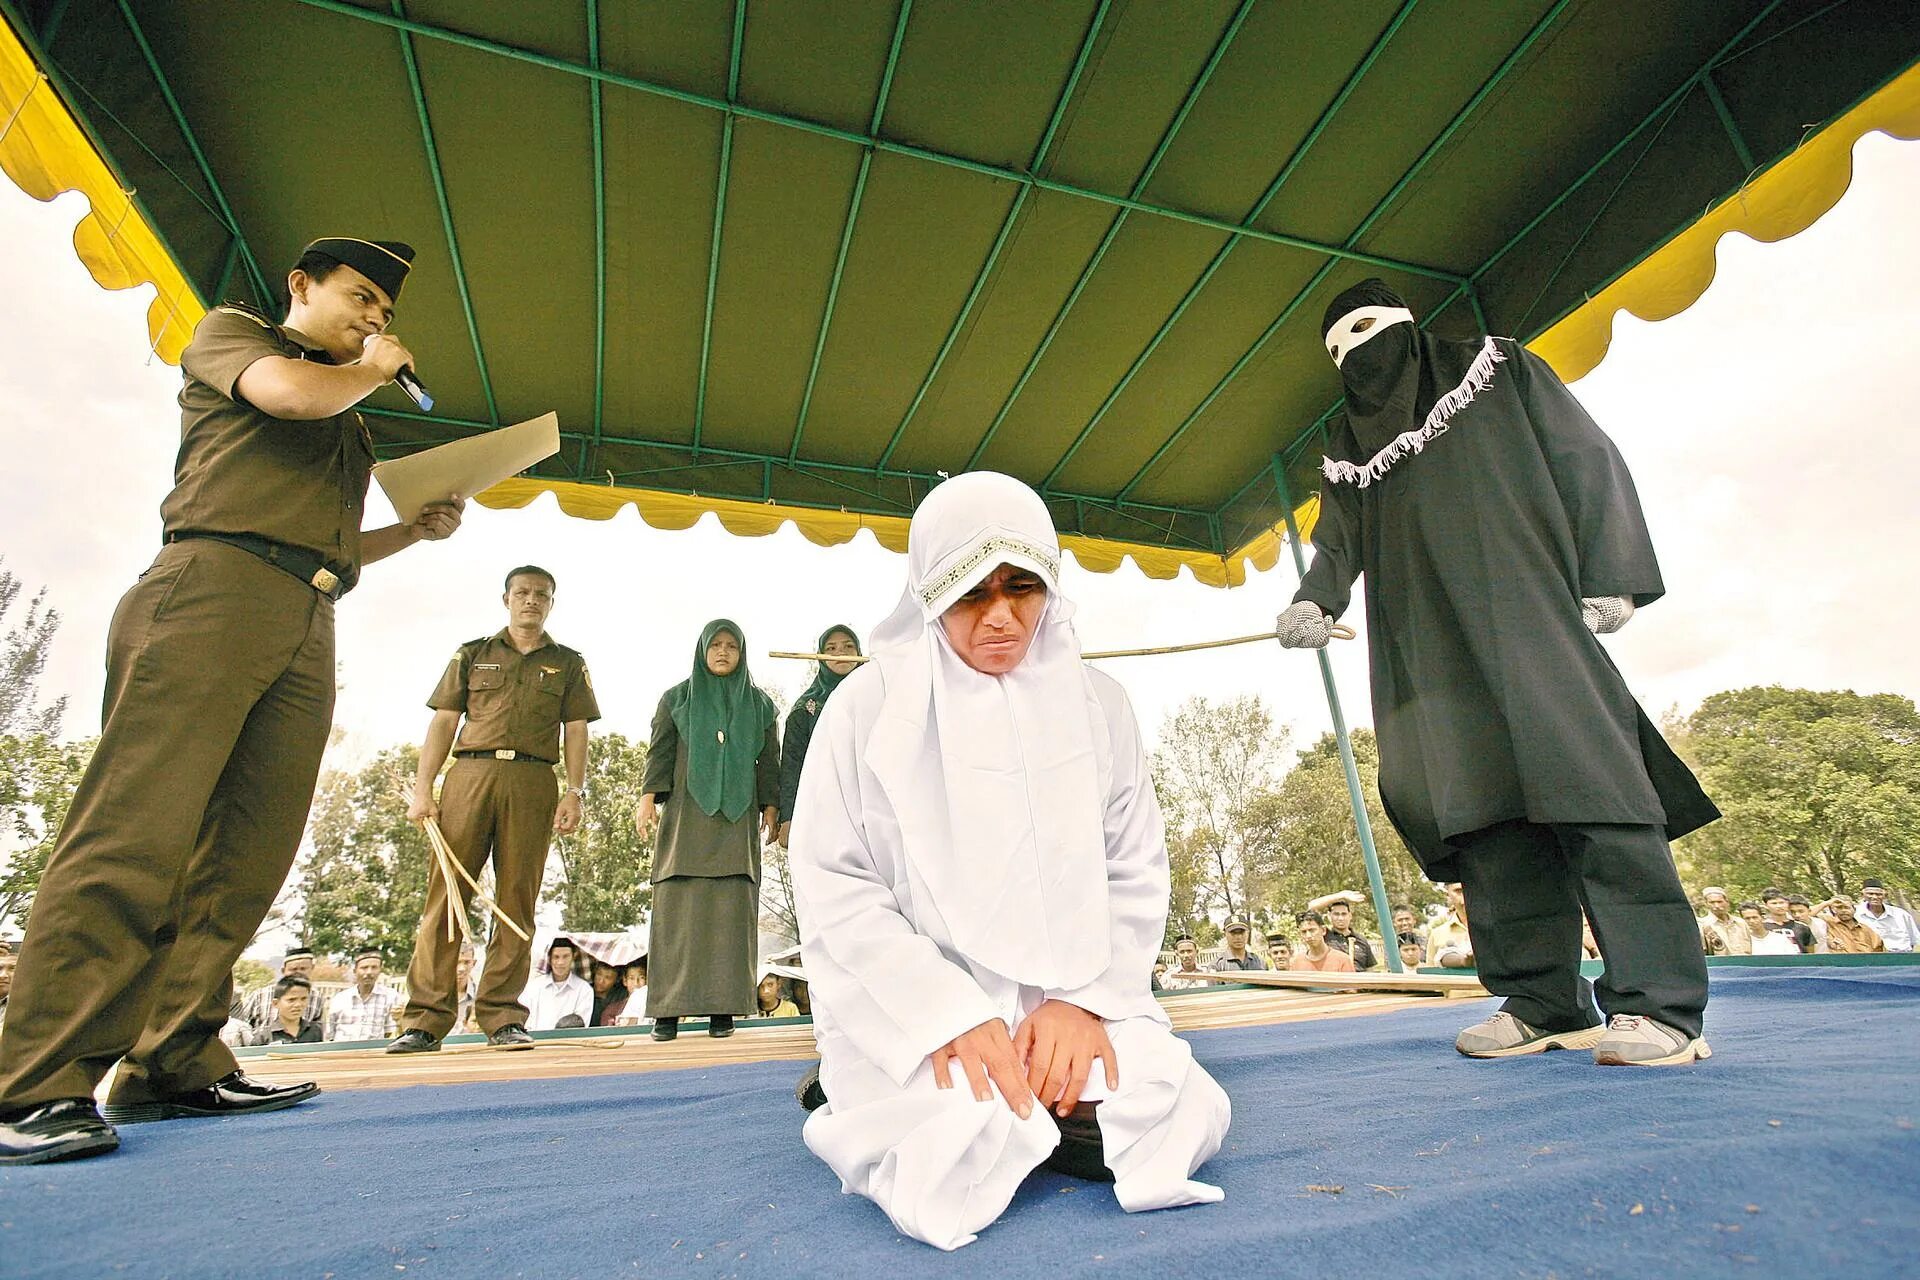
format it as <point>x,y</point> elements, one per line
<point>1438,984</point>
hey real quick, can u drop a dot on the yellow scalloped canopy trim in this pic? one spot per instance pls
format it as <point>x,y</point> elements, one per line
<point>832,528</point>
<point>45,152</point>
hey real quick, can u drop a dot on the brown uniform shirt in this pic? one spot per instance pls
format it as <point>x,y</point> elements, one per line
<point>515,701</point>
<point>243,471</point>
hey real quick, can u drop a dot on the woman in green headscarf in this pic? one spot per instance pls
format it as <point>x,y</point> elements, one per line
<point>837,639</point>
<point>713,774</point>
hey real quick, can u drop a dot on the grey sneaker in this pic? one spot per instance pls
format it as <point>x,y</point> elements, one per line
<point>1505,1036</point>
<point>1633,1041</point>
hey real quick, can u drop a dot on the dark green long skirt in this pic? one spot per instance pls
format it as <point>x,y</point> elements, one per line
<point>700,947</point>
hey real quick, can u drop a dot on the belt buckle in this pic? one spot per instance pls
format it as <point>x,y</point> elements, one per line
<point>504,754</point>
<point>325,581</point>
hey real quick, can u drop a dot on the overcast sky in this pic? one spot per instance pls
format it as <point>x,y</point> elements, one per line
<point>1771,430</point>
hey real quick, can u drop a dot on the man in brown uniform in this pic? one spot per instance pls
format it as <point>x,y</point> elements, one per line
<point>517,689</point>
<point>219,697</point>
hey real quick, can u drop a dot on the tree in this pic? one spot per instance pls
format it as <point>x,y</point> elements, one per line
<point>23,656</point>
<point>1308,839</point>
<point>1818,788</point>
<point>606,867</point>
<point>1214,760</point>
<point>365,884</point>
<point>37,780</point>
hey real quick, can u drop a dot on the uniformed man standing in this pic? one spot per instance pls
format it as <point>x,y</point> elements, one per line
<point>517,690</point>
<point>219,698</point>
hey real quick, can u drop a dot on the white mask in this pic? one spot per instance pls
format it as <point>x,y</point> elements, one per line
<point>1360,326</point>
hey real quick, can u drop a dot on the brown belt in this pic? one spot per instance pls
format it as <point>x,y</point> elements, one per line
<point>502,755</point>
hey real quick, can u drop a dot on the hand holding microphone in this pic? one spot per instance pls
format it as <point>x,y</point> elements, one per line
<point>387,354</point>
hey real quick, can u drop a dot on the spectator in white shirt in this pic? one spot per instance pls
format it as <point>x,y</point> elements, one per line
<point>1894,924</point>
<point>364,1011</point>
<point>1181,978</point>
<point>558,992</point>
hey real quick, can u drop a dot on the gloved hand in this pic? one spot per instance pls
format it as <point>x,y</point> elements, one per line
<point>1605,615</point>
<point>1303,626</point>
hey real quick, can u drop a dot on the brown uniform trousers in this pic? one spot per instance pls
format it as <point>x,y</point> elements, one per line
<point>219,697</point>
<point>499,807</point>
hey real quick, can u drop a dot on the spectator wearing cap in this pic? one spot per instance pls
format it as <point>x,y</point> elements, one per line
<point>1779,920</point>
<point>1279,952</point>
<point>258,1012</point>
<point>1236,956</point>
<point>1801,909</point>
<point>1186,966</point>
<point>1846,935</point>
<point>1722,932</point>
<point>1316,954</point>
<point>289,998</point>
<point>1894,924</point>
<point>1412,954</point>
<point>364,1011</point>
<point>557,994</point>
<point>1337,910</point>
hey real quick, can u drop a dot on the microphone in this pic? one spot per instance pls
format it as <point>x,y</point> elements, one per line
<point>411,384</point>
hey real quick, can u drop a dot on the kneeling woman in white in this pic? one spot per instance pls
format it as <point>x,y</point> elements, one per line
<point>981,874</point>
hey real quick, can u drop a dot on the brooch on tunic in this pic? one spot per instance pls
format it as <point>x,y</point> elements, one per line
<point>1479,374</point>
<point>813,707</point>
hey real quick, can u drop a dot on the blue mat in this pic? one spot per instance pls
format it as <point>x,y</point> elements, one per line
<point>1361,1146</point>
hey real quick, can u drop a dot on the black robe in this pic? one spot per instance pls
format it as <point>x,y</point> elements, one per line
<point>1491,699</point>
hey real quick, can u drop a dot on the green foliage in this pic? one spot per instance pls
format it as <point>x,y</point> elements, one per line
<point>249,976</point>
<point>1309,844</point>
<point>37,780</point>
<point>1215,759</point>
<point>366,882</point>
<point>606,866</point>
<point>23,656</point>
<point>1819,789</point>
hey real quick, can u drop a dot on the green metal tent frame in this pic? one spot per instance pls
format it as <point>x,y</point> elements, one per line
<point>1144,116</point>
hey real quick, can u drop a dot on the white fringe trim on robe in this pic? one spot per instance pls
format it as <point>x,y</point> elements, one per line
<point>1479,374</point>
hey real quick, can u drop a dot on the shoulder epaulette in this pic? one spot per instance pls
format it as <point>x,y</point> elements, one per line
<point>250,312</point>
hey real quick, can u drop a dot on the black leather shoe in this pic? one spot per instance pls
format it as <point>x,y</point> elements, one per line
<point>665,1029</point>
<point>231,1095</point>
<point>511,1036</point>
<point>719,1025</point>
<point>64,1129</point>
<point>415,1041</point>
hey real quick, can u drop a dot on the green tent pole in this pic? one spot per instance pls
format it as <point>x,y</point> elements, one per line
<point>1389,941</point>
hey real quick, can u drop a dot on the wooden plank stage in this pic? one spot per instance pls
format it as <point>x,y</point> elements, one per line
<point>633,1049</point>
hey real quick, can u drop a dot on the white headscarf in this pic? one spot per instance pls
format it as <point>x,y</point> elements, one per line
<point>995,780</point>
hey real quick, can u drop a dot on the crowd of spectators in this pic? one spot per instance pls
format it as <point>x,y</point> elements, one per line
<point>1325,940</point>
<point>1782,923</point>
<point>567,989</point>
<point>293,1009</point>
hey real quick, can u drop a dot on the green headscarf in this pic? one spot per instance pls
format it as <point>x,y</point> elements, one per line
<point>723,720</point>
<point>824,681</point>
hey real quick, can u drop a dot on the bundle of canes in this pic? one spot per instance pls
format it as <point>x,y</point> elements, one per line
<point>1340,631</point>
<point>450,866</point>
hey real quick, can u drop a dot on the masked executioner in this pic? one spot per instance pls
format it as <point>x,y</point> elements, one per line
<point>981,873</point>
<point>1500,536</point>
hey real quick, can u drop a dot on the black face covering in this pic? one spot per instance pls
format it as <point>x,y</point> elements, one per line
<point>1382,375</point>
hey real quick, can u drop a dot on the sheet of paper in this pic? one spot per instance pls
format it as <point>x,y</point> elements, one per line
<point>466,467</point>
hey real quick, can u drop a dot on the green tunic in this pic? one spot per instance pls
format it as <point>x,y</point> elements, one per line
<point>706,884</point>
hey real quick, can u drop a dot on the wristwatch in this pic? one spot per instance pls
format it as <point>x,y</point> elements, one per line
<point>581,792</point>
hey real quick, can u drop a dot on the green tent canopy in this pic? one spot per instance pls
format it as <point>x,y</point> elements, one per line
<point>791,259</point>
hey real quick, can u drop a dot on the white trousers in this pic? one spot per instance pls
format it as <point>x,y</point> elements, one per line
<point>944,1165</point>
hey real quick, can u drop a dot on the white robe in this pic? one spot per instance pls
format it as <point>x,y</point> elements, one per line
<point>889,988</point>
